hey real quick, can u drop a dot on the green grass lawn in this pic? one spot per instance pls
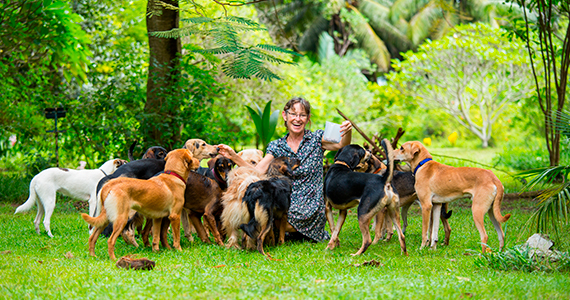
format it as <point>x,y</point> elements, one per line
<point>36,266</point>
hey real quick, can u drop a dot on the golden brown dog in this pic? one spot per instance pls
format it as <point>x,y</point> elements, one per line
<point>437,184</point>
<point>155,198</point>
<point>200,149</point>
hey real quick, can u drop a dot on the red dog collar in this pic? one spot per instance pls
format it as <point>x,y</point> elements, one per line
<point>176,175</point>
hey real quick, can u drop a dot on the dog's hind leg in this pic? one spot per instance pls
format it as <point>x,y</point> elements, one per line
<point>146,231</point>
<point>335,242</point>
<point>379,226</point>
<point>118,226</point>
<point>186,225</point>
<point>478,212</point>
<point>175,223</point>
<point>498,228</point>
<point>195,218</point>
<point>364,224</point>
<point>39,216</point>
<point>164,225</point>
<point>445,223</point>
<point>49,207</point>
<point>393,214</point>
<point>156,226</point>
<point>436,213</point>
<point>93,240</point>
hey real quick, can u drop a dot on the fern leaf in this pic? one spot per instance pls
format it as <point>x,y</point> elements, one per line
<point>197,20</point>
<point>277,49</point>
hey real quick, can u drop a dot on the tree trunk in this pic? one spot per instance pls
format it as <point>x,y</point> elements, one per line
<point>157,125</point>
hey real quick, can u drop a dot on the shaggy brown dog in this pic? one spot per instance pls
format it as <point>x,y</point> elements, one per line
<point>437,184</point>
<point>155,198</point>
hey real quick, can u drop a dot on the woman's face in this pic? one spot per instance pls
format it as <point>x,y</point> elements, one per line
<point>296,118</point>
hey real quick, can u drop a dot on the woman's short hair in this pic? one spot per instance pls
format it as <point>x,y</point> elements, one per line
<point>304,103</point>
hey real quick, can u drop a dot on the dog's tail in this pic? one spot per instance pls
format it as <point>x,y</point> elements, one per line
<point>497,202</point>
<point>131,148</point>
<point>102,220</point>
<point>389,174</point>
<point>32,199</point>
<point>251,203</point>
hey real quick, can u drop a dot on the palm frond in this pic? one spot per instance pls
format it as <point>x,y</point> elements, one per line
<point>377,15</point>
<point>422,23</point>
<point>370,42</point>
<point>560,121</point>
<point>405,9</point>
<point>310,38</point>
<point>552,211</point>
<point>242,21</point>
<point>326,47</point>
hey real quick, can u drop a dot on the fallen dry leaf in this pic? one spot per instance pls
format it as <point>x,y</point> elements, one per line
<point>40,262</point>
<point>373,263</point>
<point>6,252</point>
<point>463,278</point>
<point>69,255</point>
<point>467,254</point>
<point>320,281</point>
<point>467,295</point>
<point>219,266</point>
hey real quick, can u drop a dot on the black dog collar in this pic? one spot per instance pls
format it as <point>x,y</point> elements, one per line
<point>421,164</point>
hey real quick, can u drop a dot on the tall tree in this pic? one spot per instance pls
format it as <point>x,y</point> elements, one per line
<point>163,71</point>
<point>472,75</point>
<point>546,30</point>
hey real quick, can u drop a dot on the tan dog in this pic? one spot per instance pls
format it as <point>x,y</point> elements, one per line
<point>155,198</point>
<point>252,156</point>
<point>437,184</point>
<point>200,149</point>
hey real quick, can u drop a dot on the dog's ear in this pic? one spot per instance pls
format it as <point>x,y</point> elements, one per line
<point>196,144</point>
<point>414,150</point>
<point>338,152</point>
<point>189,145</point>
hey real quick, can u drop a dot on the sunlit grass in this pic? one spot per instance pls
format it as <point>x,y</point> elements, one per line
<point>37,267</point>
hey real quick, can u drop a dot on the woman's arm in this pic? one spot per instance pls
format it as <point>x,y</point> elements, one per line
<point>229,153</point>
<point>346,137</point>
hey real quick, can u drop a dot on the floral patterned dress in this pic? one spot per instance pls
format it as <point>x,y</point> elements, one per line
<point>307,211</point>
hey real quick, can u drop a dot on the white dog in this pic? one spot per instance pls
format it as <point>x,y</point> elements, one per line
<point>79,184</point>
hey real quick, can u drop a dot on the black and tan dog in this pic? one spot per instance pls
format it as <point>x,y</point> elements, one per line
<point>269,200</point>
<point>158,197</point>
<point>345,188</point>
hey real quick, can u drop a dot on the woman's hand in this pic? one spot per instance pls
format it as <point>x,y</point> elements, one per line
<point>226,151</point>
<point>345,127</point>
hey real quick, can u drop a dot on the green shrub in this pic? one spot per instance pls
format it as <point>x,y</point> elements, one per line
<point>529,155</point>
<point>14,187</point>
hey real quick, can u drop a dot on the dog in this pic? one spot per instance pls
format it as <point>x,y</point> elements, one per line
<point>155,198</point>
<point>269,200</point>
<point>234,214</point>
<point>78,184</point>
<point>155,152</point>
<point>151,164</point>
<point>345,188</point>
<point>200,149</point>
<point>202,193</point>
<point>252,156</point>
<point>403,182</point>
<point>219,167</point>
<point>437,184</point>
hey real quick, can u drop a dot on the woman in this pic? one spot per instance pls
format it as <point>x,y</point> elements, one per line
<point>307,212</point>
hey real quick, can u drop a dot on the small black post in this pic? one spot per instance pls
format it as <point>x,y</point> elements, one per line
<point>54,113</point>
